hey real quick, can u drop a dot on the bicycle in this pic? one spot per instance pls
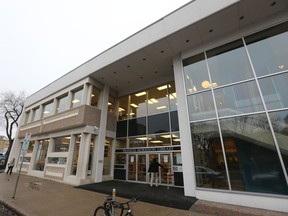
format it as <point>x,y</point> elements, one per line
<point>109,205</point>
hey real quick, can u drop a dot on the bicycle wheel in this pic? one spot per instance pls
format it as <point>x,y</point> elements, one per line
<point>101,211</point>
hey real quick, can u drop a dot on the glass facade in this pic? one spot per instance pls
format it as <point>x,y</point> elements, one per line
<point>238,113</point>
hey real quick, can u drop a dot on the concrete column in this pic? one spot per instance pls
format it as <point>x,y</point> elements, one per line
<point>70,155</point>
<point>100,139</point>
<point>184,126</point>
<point>84,155</point>
<point>86,95</point>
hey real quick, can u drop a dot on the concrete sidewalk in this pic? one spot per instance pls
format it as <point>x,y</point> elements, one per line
<point>41,197</point>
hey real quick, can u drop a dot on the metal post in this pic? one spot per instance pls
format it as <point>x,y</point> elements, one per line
<point>113,200</point>
<point>23,154</point>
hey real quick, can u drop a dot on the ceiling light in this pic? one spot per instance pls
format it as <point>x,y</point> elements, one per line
<point>143,138</point>
<point>92,95</point>
<point>162,87</point>
<point>121,109</point>
<point>176,140</point>
<point>140,94</point>
<point>161,107</point>
<point>75,101</point>
<point>109,103</point>
<point>156,141</point>
<point>46,112</point>
<point>281,66</point>
<point>205,84</point>
<point>134,105</point>
<point>152,100</point>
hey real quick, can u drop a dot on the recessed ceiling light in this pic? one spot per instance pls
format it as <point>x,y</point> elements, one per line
<point>140,94</point>
<point>144,59</point>
<point>187,41</point>
<point>114,72</point>
<point>162,51</point>
<point>211,30</point>
<point>241,17</point>
<point>128,66</point>
<point>273,3</point>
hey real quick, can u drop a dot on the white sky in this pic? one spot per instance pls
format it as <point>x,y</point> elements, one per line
<point>41,40</point>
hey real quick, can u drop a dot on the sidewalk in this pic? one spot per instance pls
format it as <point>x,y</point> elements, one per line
<point>41,197</point>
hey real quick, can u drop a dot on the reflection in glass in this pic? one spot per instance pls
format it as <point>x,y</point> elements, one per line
<point>201,106</point>
<point>158,123</point>
<point>123,108</point>
<point>172,97</point>
<point>137,126</point>
<point>61,144</point>
<point>176,139</point>
<point>31,146</point>
<point>111,104</point>
<point>238,99</point>
<point>279,122</point>
<point>138,106</point>
<point>274,90</point>
<point>268,51</point>
<point>135,142</point>
<point>41,154</point>
<point>95,97</point>
<point>158,100</point>
<point>77,98</point>
<point>121,143</point>
<point>48,109</point>
<point>174,121</point>
<point>208,155</point>
<point>75,154</point>
<point>159,140</point>
<point>196,73</point>
<point>229,63</point>
<point>252,159</point>
<point>121,130</point>
<point>62,104</point>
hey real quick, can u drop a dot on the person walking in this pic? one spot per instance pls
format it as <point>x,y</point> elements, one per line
<point>154,172</point>
<point>10,166</point>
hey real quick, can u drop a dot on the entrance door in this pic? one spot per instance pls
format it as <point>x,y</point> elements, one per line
<point>165,160</point>
<point>137,167</point>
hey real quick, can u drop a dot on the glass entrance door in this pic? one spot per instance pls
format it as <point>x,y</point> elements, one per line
<point>137,167</point>
<point>165,160</point>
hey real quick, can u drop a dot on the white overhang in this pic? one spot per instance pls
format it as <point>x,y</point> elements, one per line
<point>145,58</point>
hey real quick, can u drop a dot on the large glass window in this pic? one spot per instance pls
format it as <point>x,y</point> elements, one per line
<point>62,103</point>
<point>279,122</point>
<point>268,50</point>
<point>274,90</point>
<point>95,97</point>
<point>123,108</point>
<point>61,144</point>
<point>158,123</point>
<point>228,64</point>
<point>196,74</point>
<point>40,159</point>
<point>36,114</point>
<point>135,142</point>
<point>121,129</point>
<point>208,155</point>
<point>251,155</point>
<point>48,109</point>
<point>137,126</point>
<point>159,140</point>
<point>172,97</point>
<point>201,106</point>
<point>77,98</point>
<point>138,106</point>
<point>238,99</point>
<point>31,146</point>
<point>158,100</point>
<point>76,154</point>
<point>111,104</point>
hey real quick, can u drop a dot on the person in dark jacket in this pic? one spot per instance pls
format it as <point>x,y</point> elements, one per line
<point>154,172</point>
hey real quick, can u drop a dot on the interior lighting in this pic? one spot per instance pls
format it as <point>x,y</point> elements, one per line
<point>156,141</point>
<point>152,100</point>
<point>75,101</point>
<point>143,138</point>
<point>121,109</point>
<point>205,84</point>
<point>162,87</point>
<point>109,103</point>
<point>134,105</point>
<point>46,112</point>
<point>176,140</point>
<point>140,94</point>
<point>281,66</point>
<point>161,107</point>
<point>92,95</point>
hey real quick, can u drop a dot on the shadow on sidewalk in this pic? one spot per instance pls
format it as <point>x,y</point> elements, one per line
<point>172,197</point>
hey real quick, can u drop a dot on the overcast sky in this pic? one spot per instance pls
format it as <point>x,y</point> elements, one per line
<point>41,40</point>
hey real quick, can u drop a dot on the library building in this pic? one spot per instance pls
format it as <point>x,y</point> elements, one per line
<point>203,90</point>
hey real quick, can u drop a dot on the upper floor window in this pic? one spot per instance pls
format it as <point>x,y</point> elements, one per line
<point>36,114</point>
<point>95,97</point>
<point>27,114</point>
<point>111,104</point>
<point>123,108</point>
<point>62,103</point>
<point>77,98</point>
<point>158,100</point>
<point>48,109</point>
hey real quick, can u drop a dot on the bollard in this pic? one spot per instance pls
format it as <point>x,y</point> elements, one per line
<point>113,200</point>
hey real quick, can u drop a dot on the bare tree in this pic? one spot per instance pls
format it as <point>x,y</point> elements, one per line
<point>11,108</point>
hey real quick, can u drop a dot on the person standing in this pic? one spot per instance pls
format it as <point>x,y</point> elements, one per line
<point>10,166</point>
<point>154,172</point>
